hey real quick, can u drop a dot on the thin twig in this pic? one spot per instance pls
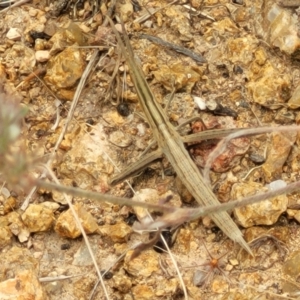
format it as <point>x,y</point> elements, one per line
<point>195,56</point>
<point>289,3</point>
<point>181,215</point>
<point>174,216</point>
<point>14,5</point>
<point>77,192</point>
<point>56,278</point>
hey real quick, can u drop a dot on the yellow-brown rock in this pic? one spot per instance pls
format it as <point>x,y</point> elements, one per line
<point>17,259</point>
<point>177,76</point>
<point>8,205</point>
<point>66,225</point>
<point>17,227</point>
<point>38,218</point>
<point>118,232</point>
<point>281,144</point>
<point>64,70</point>
<point>143,265</point>
<point>122,283</point>
<point>143,292</point>
<point>263,213</point>
<point>5,236</point>
<point>25,285</point>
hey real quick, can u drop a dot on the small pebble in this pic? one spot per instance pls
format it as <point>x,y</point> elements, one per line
<point>13,34</point>
<point>42,55</point>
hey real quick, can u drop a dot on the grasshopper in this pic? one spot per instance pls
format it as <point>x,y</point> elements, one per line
<point>171,144</point>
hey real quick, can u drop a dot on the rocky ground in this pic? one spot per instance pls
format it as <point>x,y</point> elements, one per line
<point>243,72</point>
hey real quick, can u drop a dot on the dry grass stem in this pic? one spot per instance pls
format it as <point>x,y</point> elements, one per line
<point>61,277</point>
<point>78,223</point>
<point>173,216</point>
<point>17,3</point>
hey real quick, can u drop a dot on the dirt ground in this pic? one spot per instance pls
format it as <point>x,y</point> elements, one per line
<point>242,71</point>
